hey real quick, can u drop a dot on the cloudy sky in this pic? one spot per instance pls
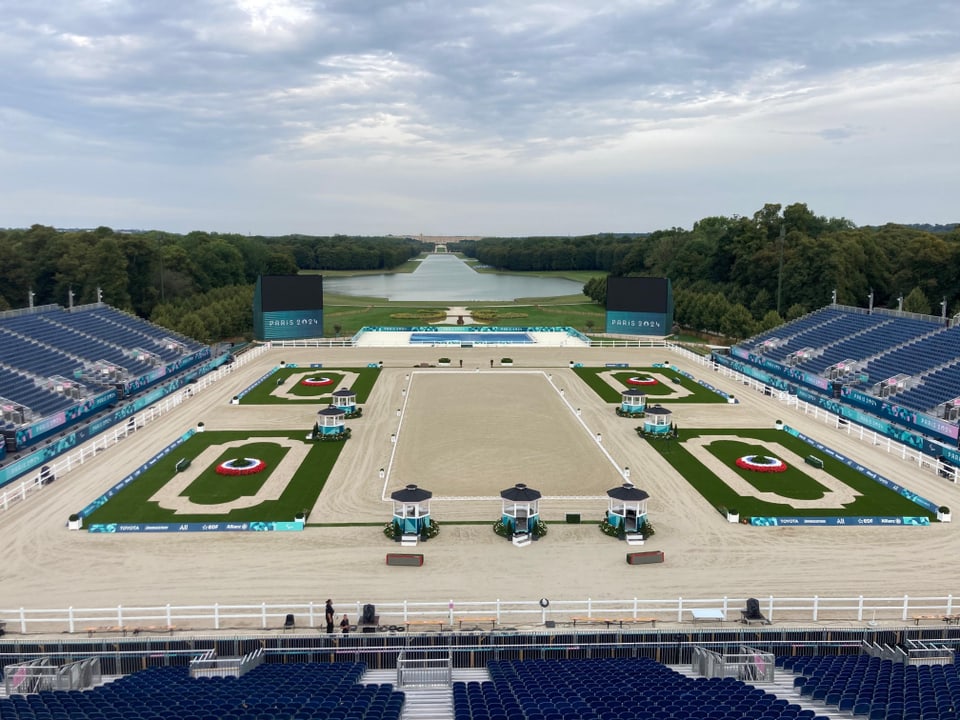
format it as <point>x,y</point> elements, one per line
<point>496,117</point>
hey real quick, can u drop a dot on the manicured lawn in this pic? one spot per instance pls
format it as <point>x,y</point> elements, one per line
<point>699,394</point>
<point>874,499</point>
<point>132,504</point>
<point>316,394</point>
<point>353,313</point>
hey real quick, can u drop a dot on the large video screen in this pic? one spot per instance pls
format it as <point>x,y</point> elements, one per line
<point>638,294</point>
<point>291,292</point>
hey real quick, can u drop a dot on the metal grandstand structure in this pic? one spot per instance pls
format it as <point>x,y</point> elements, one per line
<point>39,675</point>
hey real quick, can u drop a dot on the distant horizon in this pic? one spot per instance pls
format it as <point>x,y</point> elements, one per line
<point>945,227</point>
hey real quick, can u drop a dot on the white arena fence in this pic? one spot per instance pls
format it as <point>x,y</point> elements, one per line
<point>18,491</point>
<point>586,614</point>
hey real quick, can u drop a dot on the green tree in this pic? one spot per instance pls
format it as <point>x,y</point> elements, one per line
<point>916,302</point>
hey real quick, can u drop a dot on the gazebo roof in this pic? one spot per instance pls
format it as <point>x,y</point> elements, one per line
<point>520,493</point>
<point>634,392</point>
<point>658,410</point>
<point>331,411</point>
<point>628,492</point>
<point>411,494</point>
<point>343,392</point>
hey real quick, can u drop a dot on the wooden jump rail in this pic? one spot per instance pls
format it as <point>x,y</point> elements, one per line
<point>614,621</point>
<point>948,619</point>
<point>136,630</point>
<point>426,624</point>
<point>477,621</point>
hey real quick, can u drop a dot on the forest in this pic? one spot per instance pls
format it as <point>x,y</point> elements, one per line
<point>199,284</point>
<point>732,276</point>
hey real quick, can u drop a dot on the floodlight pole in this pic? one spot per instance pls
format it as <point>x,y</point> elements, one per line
<point>783,235</point>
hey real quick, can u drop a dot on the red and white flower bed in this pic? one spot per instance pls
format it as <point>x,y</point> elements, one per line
<point>761,463</point>
<point>316,381</point>
<point>241,466</point>
<point>641,380</point>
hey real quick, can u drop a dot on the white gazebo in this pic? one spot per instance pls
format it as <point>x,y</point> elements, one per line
<point>627,509</point>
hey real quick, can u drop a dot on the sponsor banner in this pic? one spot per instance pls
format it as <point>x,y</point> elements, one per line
<point>292,324</point>
<point>252,526</point>
<point>884,427</point>
<point>256,382</point>
<point>753,372</point>
<point>902,415</point>
<point>876,477</point>
<point>687,375</point>
<point>102,500</point>
<point>637,323</point>
<point>791,373</point>
<point>854,521</point>
<point>51,424</point>
<point>617,365</point>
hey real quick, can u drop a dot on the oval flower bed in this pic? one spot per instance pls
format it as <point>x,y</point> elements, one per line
<point>761,463</point>
<point>316,381</point>
<point>641,380</point>
<point>241,466</point>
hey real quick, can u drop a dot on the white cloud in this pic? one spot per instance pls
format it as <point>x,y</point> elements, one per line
<point>496,117</point>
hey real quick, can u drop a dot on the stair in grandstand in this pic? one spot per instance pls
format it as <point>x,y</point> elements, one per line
<point>783,688</point>
<point>427,703</point>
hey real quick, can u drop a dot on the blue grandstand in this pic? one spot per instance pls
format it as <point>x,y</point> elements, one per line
<point>909,360</point>
<point>53,360</point>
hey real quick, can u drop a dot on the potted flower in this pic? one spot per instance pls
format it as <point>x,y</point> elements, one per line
<point>444,361</point>
<point>943,513</point>
<point>200,427</point>
<point>733,515</point>
<point>731,400</point>
<point>74,522</point>
<point>507,362</point>
<point>779,425</point>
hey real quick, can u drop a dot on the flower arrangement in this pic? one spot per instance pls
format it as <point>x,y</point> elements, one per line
<point>430,530</point>
<point>333,437</point>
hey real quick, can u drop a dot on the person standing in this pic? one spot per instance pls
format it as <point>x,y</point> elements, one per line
<point>329,614</point>
<point>345,625</point>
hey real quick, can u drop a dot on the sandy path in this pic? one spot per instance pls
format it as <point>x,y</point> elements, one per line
<point>45,566</point>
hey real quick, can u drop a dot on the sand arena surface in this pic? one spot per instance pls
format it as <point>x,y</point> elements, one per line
<point>471,444</point>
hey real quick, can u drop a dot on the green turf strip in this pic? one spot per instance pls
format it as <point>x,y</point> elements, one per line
<point>132,504</point>
<point>322,395</point>
<point>657,393</point>
<point>874,498</point>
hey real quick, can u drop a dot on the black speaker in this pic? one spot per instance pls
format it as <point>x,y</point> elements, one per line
<point>369,614</point>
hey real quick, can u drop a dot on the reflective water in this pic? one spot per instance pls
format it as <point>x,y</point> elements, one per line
<point>447,277</point>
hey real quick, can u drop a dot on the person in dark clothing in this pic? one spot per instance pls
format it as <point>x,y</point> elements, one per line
<point>329,615</point>
<point>345,625</point>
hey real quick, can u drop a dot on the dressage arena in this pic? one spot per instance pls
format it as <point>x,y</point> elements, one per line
<point>465,434</point>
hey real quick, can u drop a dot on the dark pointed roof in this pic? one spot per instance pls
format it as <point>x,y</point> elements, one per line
<point>658,410</point>
<point>520,493</point>
<point>344,393</point>
<point>411,494</point>
<point>627,491</point>
<point>331,410</point>
<point>634,391</point>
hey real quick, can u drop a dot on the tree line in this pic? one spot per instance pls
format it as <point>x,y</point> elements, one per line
<point>739,275</point>
<point>732,276</point>
<point>200,284</point>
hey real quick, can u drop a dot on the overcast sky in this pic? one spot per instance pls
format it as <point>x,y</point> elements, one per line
<point>494,117</point>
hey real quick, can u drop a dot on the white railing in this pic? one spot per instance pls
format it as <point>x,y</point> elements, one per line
<point>836,422</point>
<point>460,614</point>
<point>18,491</point>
